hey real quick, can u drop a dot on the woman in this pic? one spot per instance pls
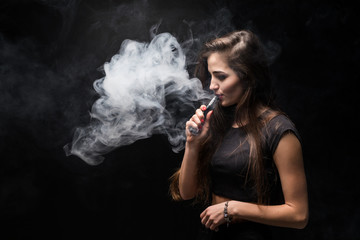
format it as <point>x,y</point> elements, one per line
<point>246,164</point>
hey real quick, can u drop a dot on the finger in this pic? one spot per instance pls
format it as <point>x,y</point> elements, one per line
<point>197,119</point>
<point>191,125</point>
<point>214,227</point>
<point>209,223</point>
<point>208,116</point>
<point>202,214</point>
<point>204,219</point>
<point>200,114</point>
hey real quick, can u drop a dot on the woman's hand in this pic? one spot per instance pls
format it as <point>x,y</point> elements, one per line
<point>213,216</point>
<point>197,122</point>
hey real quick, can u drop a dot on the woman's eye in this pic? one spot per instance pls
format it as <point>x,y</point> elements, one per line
<point>221,77</point>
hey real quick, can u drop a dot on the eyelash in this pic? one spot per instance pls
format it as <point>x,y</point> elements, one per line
<point>221,77</point>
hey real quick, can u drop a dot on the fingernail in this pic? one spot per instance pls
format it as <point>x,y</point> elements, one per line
<point>203,108</point>
<point>202,120</point>
<point>200,127</point>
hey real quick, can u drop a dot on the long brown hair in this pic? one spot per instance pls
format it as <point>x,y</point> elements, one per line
<point>246,56</point>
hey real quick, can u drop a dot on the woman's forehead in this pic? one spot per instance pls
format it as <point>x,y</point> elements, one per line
<point>217,63</point>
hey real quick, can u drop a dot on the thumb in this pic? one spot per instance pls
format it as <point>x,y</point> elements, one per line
<point>207,121</point>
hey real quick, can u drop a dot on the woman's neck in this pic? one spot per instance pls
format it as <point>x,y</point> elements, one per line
<point>259,111</point>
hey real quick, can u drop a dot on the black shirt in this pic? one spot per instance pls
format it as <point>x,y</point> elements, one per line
<point>229,164</point>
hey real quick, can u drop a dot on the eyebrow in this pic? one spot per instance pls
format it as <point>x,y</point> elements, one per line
<point>219,72</point>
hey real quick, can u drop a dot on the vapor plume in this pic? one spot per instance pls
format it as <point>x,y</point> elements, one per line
<point>146,90</point>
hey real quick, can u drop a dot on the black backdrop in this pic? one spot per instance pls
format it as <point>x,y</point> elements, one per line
<point>50,54</point>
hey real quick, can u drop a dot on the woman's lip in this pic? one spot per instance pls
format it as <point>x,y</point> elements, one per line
<point>220,96</point>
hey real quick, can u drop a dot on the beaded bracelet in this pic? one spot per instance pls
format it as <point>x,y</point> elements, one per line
<point>226,215</point>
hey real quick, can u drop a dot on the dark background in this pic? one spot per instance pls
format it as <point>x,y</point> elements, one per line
<point>52,51</point>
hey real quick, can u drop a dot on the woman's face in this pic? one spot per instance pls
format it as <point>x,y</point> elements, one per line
<point>224,81</point>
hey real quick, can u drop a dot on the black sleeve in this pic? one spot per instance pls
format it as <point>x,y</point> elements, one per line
<point>276,128</point>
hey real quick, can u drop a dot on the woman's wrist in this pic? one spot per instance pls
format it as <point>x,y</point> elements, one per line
<point>193,145</point>
<point>232,210</point>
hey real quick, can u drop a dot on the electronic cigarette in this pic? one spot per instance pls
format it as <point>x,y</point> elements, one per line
<point>209,107</point>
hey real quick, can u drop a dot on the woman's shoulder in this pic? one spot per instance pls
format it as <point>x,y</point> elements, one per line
<point>280,119</point>
<point>276,124</point>
<point>274,118</point>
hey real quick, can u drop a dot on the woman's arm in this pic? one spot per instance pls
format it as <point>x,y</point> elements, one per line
<point>188,171</point>
<point>293,213</point>
<point>189,167</point>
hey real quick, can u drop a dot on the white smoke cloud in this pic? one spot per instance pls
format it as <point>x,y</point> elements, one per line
<point>146,90</point>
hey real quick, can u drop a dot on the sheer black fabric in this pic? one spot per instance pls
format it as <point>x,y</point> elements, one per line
<point>230,162</point>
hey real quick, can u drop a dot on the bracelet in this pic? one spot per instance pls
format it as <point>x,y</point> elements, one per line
<point>226,215</point>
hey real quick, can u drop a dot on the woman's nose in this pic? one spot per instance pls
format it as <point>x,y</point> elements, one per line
<point>213,85</point>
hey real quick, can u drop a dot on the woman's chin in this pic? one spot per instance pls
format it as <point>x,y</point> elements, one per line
<point>225,103</point>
